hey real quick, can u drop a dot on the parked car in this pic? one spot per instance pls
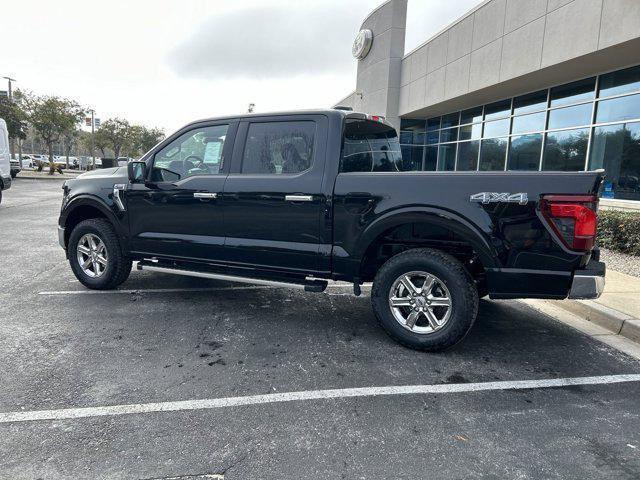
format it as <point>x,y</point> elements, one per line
<point>16,167</point>
<point>297,199</point>
<point>5,159</point>
<point>27,161</point>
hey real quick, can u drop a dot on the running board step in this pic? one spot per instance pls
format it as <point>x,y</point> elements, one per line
<point>306,285</point>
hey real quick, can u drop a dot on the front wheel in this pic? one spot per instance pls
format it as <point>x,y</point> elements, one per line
<point>425,299</point>
<point>96,256</point>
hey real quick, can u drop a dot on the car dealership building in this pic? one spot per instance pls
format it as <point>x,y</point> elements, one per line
<point>512,85</point>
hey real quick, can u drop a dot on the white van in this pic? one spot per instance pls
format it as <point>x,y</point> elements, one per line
<point>5,158</point>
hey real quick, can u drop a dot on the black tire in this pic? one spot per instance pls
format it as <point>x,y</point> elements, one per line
<point>13,174</point>
<point>118,265</point>
<point>464,298</point>
<point>0,193</point>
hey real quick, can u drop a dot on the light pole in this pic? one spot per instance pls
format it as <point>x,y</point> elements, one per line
<point>93,149</point>
<point>12,146</point>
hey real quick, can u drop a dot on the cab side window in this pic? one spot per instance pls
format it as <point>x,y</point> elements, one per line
<point>197,152</point>
<point>279,148</point>
<point>370,147</point>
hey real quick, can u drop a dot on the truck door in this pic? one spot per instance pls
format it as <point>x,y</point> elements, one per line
<point>273,196</point>
<point>177,213</point>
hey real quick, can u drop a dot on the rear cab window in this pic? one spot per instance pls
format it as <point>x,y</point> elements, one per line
<point>370,146</point>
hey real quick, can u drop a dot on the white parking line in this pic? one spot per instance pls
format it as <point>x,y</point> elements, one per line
<point>212,403</point>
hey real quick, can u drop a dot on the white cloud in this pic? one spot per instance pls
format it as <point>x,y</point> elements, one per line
<point>167,62</point>
<point>270,42</point>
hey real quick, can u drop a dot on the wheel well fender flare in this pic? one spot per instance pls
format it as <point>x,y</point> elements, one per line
<point>83,201</point>
<point>435,216</point>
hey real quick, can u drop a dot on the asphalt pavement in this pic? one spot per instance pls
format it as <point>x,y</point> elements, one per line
<point>163,343</point>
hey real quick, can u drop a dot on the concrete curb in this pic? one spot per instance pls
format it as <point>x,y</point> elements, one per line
<point>552,309</point>
<point>44,177</point>
<point>608,318</point>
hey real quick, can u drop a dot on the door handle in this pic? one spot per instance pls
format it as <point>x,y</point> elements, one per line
<point>205,195</point>
<point>299,198</point>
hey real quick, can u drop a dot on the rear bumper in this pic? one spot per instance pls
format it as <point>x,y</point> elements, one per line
<point>588,283</point>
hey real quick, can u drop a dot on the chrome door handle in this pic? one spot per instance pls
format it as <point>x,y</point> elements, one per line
<point>205,195</point>
<point>299,198</point>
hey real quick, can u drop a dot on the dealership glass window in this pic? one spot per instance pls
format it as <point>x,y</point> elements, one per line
<point>616,148</point>
<point>472,115</point>
<point>468,155</point>
<point>580,91</point>
<point>497,128</point>
<point>471,132</point>
<point>406,137</point>
<point>430,158</point>
<point>566,150</point>
<point>618,109</point>
<point>566,110</point>
<point>620,82</point>
<point>575,116</point>
<point>531,102</point>
<point>524,152</point>
<point>447,157</point>
<point>497,110</point>
<point>450,120</point>
<point>533,122</point>
<point>448,135</point>
<point>493,154</point>
<point>432,137</point>
<point>433,123</point>
<point>412,157</point>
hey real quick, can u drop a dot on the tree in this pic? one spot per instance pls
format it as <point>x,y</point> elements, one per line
<point>15,116</point>
<point>117,133</point>
<point>101,142</point>
<point>52,117</point>
<point>143,139</point>
<point>70,138</point>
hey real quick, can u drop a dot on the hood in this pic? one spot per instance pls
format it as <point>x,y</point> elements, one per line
<point>104,172</point>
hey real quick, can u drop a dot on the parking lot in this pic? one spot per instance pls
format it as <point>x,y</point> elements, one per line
<point>163,339</point>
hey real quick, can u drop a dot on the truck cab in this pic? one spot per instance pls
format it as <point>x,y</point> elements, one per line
<point>301,198</point>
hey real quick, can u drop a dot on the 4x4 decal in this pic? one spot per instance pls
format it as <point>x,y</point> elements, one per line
<point>496,197</point>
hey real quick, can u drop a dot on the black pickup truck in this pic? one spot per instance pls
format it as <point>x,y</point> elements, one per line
<point>297,199</point>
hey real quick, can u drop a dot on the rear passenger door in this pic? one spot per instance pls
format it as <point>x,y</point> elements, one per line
<point>273,198</point>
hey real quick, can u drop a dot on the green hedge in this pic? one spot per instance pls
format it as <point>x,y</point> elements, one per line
<point>619,231</point>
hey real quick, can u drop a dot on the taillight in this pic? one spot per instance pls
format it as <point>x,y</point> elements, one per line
<point>573,218</point>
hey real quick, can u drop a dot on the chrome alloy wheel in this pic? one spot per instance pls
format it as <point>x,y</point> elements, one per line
<point>92,255</point>
<point>420,302</point>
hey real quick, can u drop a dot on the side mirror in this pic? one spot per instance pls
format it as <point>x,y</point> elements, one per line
<point>137,172</point>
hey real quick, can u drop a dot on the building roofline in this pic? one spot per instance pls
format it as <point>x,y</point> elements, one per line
<point>448,27</point>
<point>374,11</point>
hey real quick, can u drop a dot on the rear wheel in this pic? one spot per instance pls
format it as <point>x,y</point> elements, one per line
<point>425,299</point>
<point>96,256</point>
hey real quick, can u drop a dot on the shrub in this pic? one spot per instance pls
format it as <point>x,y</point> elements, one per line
<point>619,231</point>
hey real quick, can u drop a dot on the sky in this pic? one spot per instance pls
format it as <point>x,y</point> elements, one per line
<point>164,63</point>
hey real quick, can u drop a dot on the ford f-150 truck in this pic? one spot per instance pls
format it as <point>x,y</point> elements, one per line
<point>297,199</point>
